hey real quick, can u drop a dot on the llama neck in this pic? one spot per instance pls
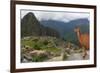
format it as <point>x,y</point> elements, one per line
<point>79,35</point>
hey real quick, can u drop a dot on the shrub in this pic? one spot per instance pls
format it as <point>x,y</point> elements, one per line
<point>37,47</point>
<point>45,42</point>
<point>39,58</point>
<point>35,40</point>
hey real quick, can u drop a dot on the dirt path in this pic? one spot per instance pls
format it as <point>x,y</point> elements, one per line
<point>77,56</point>
<point>73,56</point>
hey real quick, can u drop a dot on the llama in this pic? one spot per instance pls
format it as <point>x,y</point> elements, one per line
<point>83,40</point>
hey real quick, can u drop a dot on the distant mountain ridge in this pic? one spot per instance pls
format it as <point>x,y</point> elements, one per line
<point>66,29</point>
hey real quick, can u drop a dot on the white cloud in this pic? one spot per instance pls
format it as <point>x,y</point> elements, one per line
<point>62,16</point>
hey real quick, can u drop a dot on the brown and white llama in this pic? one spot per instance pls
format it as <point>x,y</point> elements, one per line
<point>83,40</point>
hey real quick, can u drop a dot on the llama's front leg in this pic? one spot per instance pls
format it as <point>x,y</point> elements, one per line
<point>84,53</point>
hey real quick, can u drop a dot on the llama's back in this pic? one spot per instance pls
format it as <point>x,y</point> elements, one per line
<point>84,40</point>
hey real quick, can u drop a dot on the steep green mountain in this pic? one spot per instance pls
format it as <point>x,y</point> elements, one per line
<point>30,26</point>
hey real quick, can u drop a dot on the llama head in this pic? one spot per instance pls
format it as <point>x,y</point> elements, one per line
<point>77,29</point>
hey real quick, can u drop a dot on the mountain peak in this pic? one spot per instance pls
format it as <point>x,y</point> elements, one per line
<point>30,26</point>
<point>30,14</point>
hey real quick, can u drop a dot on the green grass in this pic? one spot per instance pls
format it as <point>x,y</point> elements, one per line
<point>39,58</point>
<point>27,43</point>
<point>41,44</point>
<point>54,50</point>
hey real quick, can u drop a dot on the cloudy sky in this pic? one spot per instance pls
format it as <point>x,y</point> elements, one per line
<point>62,16</point>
